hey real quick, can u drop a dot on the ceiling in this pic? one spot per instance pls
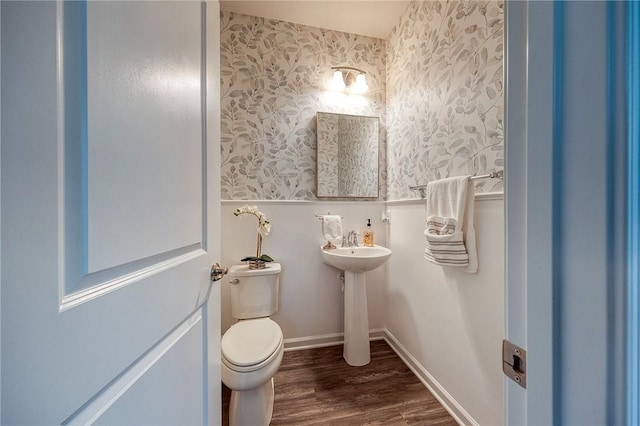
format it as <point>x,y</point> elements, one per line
<point>373,18</point>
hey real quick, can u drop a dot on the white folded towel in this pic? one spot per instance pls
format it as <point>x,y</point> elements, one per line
<point>331,226</point>
<point>449,226</point>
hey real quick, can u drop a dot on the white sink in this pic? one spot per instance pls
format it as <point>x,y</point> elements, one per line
<point>356,259</point>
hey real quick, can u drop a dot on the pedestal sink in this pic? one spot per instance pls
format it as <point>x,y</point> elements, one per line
<point>355,261</point>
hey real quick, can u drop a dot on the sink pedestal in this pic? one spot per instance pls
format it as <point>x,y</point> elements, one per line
<point>356,320</point>
<point>355,261</point>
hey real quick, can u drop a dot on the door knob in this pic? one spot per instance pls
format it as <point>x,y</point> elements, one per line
<point>217,272</point>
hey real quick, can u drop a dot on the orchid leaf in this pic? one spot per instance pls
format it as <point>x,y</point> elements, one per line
<point>264,257</point>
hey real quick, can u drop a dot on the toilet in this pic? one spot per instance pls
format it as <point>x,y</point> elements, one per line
<point>252,348</point>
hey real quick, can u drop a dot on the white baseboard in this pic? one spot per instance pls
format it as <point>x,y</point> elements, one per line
<point>310,342</point>
<point>324,340</point>
<point>459,414</point>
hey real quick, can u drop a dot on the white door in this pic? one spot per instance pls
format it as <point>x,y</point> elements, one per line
<point>110,213</point>
<point>528,194</point>
<point>566,210</point>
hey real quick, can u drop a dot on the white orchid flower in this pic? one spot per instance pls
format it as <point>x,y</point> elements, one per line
<point>264,227</point>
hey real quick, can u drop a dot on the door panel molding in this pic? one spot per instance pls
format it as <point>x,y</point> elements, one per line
<point>112,279</point>
<point>88,265</point>
<point>102,401</point>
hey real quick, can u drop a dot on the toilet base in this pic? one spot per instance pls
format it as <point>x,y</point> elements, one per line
<point>252,407</point>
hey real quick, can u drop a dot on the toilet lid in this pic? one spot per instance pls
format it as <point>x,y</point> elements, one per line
<point>250,342</point>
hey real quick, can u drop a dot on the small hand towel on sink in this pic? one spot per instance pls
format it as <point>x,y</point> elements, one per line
<point>449,226</point>
<point>331,226</point>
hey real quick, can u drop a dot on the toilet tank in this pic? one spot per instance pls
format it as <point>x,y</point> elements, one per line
<point>254,292</point>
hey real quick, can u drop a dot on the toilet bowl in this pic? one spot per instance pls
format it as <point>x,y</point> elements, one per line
<point>251,355</point>
<point>252,348</point>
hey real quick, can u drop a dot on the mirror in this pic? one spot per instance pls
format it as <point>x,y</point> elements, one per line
<point>347,152</point>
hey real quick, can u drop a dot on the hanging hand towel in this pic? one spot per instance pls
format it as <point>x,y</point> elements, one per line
<point>331,227</point>
<point>449,226</point>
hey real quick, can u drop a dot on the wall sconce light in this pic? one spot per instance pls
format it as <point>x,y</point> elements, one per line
<point>349,78</point>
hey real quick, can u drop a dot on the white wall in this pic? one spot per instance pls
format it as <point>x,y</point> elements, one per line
<point>311,301</point>
<point>451,322</point>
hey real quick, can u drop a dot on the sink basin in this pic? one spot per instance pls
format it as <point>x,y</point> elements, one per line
<point>356,259</point>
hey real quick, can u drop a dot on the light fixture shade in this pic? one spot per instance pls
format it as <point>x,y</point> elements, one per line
<point>349,79</point>
<point>337,83</point>
<point>360,85</point>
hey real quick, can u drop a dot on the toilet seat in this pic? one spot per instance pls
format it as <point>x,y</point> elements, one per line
<point>250,344</point>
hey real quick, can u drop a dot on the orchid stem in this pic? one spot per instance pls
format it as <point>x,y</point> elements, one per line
<point>259,246</point>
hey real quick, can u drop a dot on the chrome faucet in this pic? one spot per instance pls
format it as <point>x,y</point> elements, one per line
<point>353,241</point>
<point>350,240</point>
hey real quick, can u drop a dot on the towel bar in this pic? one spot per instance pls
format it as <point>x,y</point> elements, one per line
<point>493,175</point>
<point>321,216</point>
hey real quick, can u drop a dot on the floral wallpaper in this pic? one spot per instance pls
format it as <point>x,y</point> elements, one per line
<point>445,103</point>
<point>275,76</point>
<point>436,84</point>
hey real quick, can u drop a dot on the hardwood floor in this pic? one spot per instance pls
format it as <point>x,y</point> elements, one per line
<point>317,387</point>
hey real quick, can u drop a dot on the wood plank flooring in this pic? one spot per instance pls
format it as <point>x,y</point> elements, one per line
<point>317,387</point>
